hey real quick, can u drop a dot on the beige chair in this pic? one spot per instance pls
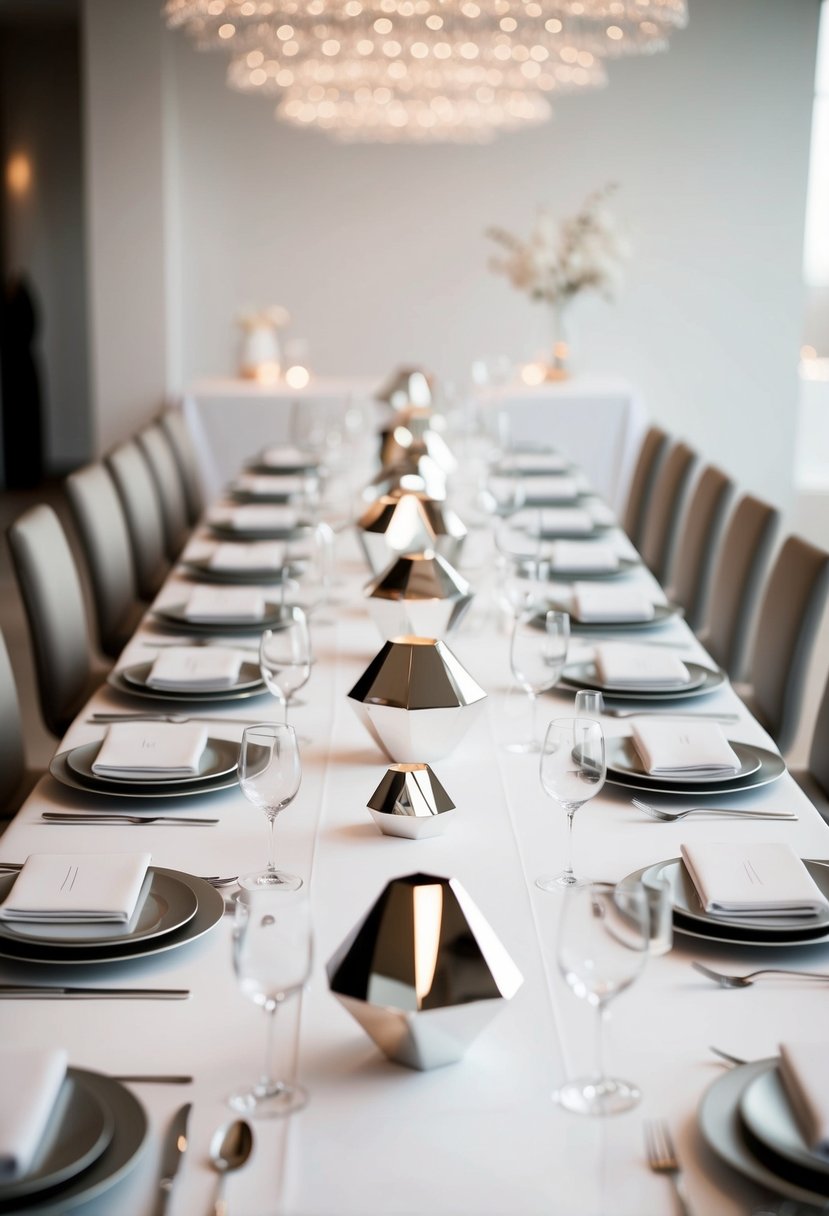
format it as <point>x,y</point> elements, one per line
<point>139,498</point>
<point>169,486</point>
<point>663,507</point>
<point>67,670</point>
<point>814,779</point>
<point>175,428</point>
<point>644,474</point>
<point>739,567</point>
<point>696,543</point>
<point>16,780</point>
<point>790,614</point>
<point>102,528</point>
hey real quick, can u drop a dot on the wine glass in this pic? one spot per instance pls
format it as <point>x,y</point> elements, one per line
<point>572,768</point>
<point>589,703</point>
<point>272,949</point>
<point>503,493</point>
<point>602,947</point>
<point>270,773</point>
<point>285,657</point>
<point>538,652</point>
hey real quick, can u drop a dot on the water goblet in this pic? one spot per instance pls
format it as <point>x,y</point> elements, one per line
<point>538,652</point>
<point>285,657</point>
<point>272,950</point>
<point>602,948</point>
<point>572,769</point>
<point>503,493</point>
<point>270,772</point>
<point>589,703</point>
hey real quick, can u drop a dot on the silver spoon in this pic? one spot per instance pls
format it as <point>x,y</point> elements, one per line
<point>229,1150</point>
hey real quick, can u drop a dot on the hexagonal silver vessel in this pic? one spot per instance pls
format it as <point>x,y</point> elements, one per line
<point>424,972</point>
<point>418,475</point>
<point>416,700</point>
<point>410,802</point>
<point>408,523</point>
<point>419,593</point>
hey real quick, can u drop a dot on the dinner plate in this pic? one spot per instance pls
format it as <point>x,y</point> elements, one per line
<point>80,1128</point>
<point>292,466</point>
<point>195,786</point>
<point>624,759</point>
<point>768,1118</point>
<point>137,686</point>
<point>772,767</point>
<point>703,680</point>
<point>227,532</point>
<point>210,908</point>
<point>564,574</point>
<point>662,613</point>
<point>168,904</point>
<point>201,571</point>
<point>723,1132</point>
<point>220,758</point>
<point>250,677</point>
<point>173,617</point>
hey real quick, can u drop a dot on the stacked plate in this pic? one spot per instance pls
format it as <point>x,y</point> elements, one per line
<point>95,1135</point>
<point>758,766</point>
<point>564,574</point>
<point>226,531</point>
<point>133,680</point>
<point>173,616</point>
<point>701,680</point>
<point>201,571</point>
<point>217,771</point>
<point>747,1122</point>
<point>662,614</point>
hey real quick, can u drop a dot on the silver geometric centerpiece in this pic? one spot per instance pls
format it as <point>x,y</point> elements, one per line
<point>408,523</point>
<point>410,802</point>
<point>419,593</point>
<point>406,384</point>
<point>416,700</point>
<point>424,973</point>
<point>412,474</point>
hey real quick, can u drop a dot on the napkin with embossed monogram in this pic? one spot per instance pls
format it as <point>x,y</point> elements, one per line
<point>144,750</point>
<point>84,888</point>
<point>263,484</point>
<point>696,748</point>
<point>629,667</point>
<point>255,517</point>
<point>260,555</point>
<point>593,604</point>
<point>582,555</point>
<point>32,1080</point>
<point>207,604</point>
<point>752,879</point>
<point>804,1071</point>
<point>187,669</point>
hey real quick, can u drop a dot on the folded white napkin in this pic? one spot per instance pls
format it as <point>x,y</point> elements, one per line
<point>667,748</point>
<point>270,483</point>
<point>256,517</point>
<point>259,555</point>
<point>146,749</point>
<point>804,1071</point>
<point>189,669</point>
<point>86,888</point>
<point>32,1081</point>
<point>537,462</point>
<point>592,603</point>
<point>285,457</point>
<point>559,489</point>
<point>581,555</point>
<point>627,666</point>
<point>601,514</point>
<point>755,880</point>
<point>225,604</point>
<point>554,520</point>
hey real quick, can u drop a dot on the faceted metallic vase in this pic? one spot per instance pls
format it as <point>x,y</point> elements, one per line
<point>410,802</point>
<point>406,385</point>
<point>416,700</point>
<point>408,523</point>
<point>424,973</point>
<point>419,593</point>
<point>411,474</point>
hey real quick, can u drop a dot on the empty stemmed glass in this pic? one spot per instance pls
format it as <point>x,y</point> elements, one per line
<point>503,493</point>
<point>602,947</point>
<point>272,949</point>
<point>285,656</point>
<point>572,769</point>
<point>270,772</point>
<point>538,652</point>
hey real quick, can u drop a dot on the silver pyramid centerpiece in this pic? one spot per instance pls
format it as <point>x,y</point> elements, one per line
<point>408,523</point>
<point>419,593</point>
<point>417,436</point>
<point>424,973</point>
<point>416,700</point>
<point>410,802</point>
<point>406,385</point>
<point>407,475</point>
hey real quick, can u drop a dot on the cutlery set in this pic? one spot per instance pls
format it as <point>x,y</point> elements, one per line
<point>230,1149</point>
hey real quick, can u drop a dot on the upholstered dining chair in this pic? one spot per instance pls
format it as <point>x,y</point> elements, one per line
<point>651,453</point>
<point>699,530</point>
<point>663,508</point>
<point>67,669</point>
<point>814,779</point>
<point>142,508</point>
<point>170,487</point>
<point>175,428</point>
<point>15,779</point>
<point>790,613</point>
<point>739,567</point>
<point>102,528</point>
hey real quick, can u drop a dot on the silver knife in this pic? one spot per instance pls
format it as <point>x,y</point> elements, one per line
<point>116,817</point>
<point>27,992</point>
<point>175,1146</point>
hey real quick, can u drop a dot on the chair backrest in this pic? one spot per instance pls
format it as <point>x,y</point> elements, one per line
<point>790,613</point>
<point>170,487</point>
<point>739,567</point>
<point>12,755</point>
<point>696,542</point>
<point>142,509</point>
<point>819,749</point>
<point>56,612</point>
<point>102,527</point>
<point>644,474</point>
<point>175,428</point>
<point>662,511</point>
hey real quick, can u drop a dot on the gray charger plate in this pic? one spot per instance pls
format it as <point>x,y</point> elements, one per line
<point>772,767</point>
<point>173,617</point>
<point>220,758</point>
<point>79,1129</point>
<point>768,1117</point>
<point>60,770</point>
<point>133,687</point>
<point>624,760</point>
<point>201,571</point>
<point>209,911</point>
<point>275,470</point>
<point>662,613</point>
<point>564,575</point>
<point>703,680</point>
<point>250,679</point>
<point>721,1128</point>
<point>226,532</point>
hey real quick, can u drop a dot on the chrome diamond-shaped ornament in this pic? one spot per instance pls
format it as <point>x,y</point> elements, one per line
<point>410,802</point>
<point>406,385</point>
<point>408,523</point>
<point>416,699</point>
<point>408,475</point>
<point>419,593</point>
<point>424,972</point>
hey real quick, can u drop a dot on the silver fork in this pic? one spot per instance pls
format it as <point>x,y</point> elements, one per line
<point>745,981</point>
<point>215,880</point>
<point>664,816</point>
<point>105,817</point>
<point>151,717</point>
<point>658,713</point>
<point>662,1159</point>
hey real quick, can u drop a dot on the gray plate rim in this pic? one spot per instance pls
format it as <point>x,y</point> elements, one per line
<point>201,570</point>
<point>768,1089</point>
<point>250,677</point>
<point>226,532</point>
<point>116,680</point>
<point>772,767</point>
<point>225,760</point>
<point>172,614</point>
<point>617,743</point>
<point>663,613</point>
<point>568,575</point>
<point>59,769</point>
<point>711,678</point>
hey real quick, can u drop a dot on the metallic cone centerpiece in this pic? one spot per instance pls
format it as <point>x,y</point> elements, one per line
<point>407,384</point>
<point>416,699</point>
<point>410,802</point>
<point>419,593</point>
<point>409,523</point>
<point>424,973</point>
<point>408,475</point>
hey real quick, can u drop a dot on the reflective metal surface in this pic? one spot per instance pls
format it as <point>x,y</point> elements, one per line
<point>409,523</point>
<point>411,473</point>
<point>410,802</point>
<point>424,972</point>
<point>407,384</point>
<point>419,593</point>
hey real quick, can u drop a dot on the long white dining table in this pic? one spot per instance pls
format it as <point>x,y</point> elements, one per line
<point>480,1137</point>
